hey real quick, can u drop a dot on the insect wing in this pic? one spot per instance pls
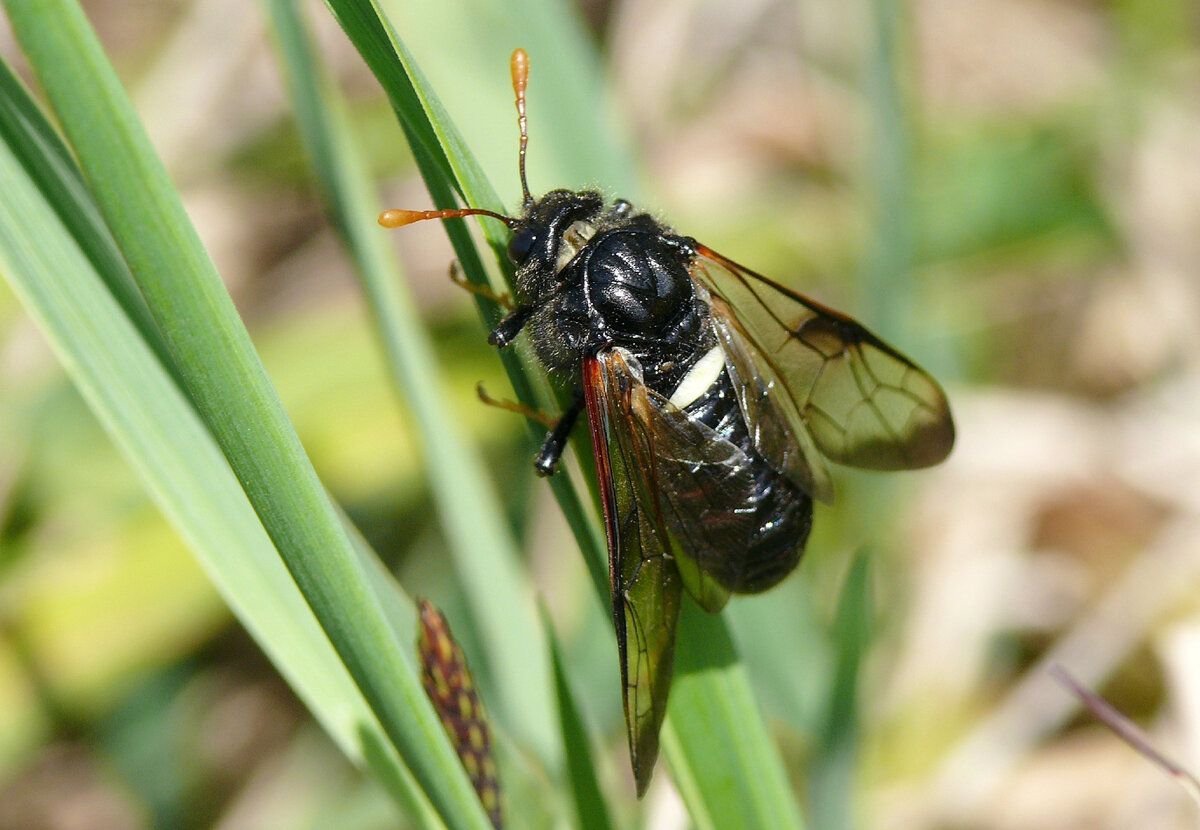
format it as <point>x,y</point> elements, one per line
<point>676,502</point>
<point>863,403</point>
<point>703,488</point>
<point>644,583</point>
<point>778,432</point>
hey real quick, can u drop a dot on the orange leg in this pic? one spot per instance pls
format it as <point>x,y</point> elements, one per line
<point>456,277</point>
<point>529,412</point>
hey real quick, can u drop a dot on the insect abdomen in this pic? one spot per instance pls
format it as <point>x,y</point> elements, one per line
<point>782,511</point>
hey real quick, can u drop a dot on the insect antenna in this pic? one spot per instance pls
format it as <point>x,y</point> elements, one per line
<point>518,65</point>
<point>397,218</point>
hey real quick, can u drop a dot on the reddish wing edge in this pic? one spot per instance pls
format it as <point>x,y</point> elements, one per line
<point>593,389</point>
<point>643,579</point>
<point>598,412</point>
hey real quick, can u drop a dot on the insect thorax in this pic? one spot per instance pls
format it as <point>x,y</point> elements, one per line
<point>606,276</point>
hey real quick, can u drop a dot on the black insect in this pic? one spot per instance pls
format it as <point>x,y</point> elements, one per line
<point>713,395</point>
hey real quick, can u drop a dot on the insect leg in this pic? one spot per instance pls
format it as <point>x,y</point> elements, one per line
<point>545,419</point>
<point>458,278</point>
<point>510,325</point>
<point>506,330</point>
<point>556,440</point>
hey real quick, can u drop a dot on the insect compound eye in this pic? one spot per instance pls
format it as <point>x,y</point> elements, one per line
<point>521,244</point>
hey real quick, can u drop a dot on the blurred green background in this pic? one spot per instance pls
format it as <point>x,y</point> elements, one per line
<point>1009,190</point>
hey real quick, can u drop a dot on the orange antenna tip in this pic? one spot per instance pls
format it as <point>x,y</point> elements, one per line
<point>519,66</point>
<point>397,218</point>
<point>400,218</point>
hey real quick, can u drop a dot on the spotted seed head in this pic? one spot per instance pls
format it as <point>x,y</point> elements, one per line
<point>448,683</point>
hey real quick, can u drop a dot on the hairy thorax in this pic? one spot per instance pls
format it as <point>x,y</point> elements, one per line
<point>620,280</point>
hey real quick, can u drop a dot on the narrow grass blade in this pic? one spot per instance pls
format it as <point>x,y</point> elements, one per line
<point>485,553</point>
<point>722,758</point>
<point>834,767</point>
<point>161,435</point>
<point>591,813</point>
<point>469,75</point>
<point>887,285</point>
<point>418,111</point>
<point>42,151</point>
<point>1128,731</point>
<point>221,374</point>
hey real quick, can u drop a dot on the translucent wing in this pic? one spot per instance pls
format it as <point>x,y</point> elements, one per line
<point>863,403</point>
<point>775,424</point>
<point>643,582</point>
<point>674,494</point>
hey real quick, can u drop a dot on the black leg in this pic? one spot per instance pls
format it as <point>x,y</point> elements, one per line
<point>556,440</point>
<point>506,330</point>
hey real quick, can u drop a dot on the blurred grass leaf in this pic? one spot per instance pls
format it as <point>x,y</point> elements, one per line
<point>481,543</point>
<point>724,763</point>
<point>161,435</point>
<point>463,49</point>
<point>832,771</point>
<point>590,810</point>
<point>1002,186</point>
<point>219,371</point>
<point>42,152</point>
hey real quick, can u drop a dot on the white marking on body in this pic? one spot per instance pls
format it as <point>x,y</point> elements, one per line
<point>699,378</point>
<point>573,239</point>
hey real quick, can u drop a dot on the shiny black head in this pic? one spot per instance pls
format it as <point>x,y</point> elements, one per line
<point>551,231</point>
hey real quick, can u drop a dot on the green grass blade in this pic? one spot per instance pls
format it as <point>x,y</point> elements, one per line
<point>159,432</point>
<point>887,283</point>
<point>221,374</point>
<point>716,702</point>
<point>463,49</point>
<point>418,110</point>
<point>590,810</point>
<point>725,765</point>
<point>484,550</point>
<point>832,773</point>
<point>42,151</point>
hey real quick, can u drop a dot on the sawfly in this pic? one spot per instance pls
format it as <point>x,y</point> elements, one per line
<point>714,396</point>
